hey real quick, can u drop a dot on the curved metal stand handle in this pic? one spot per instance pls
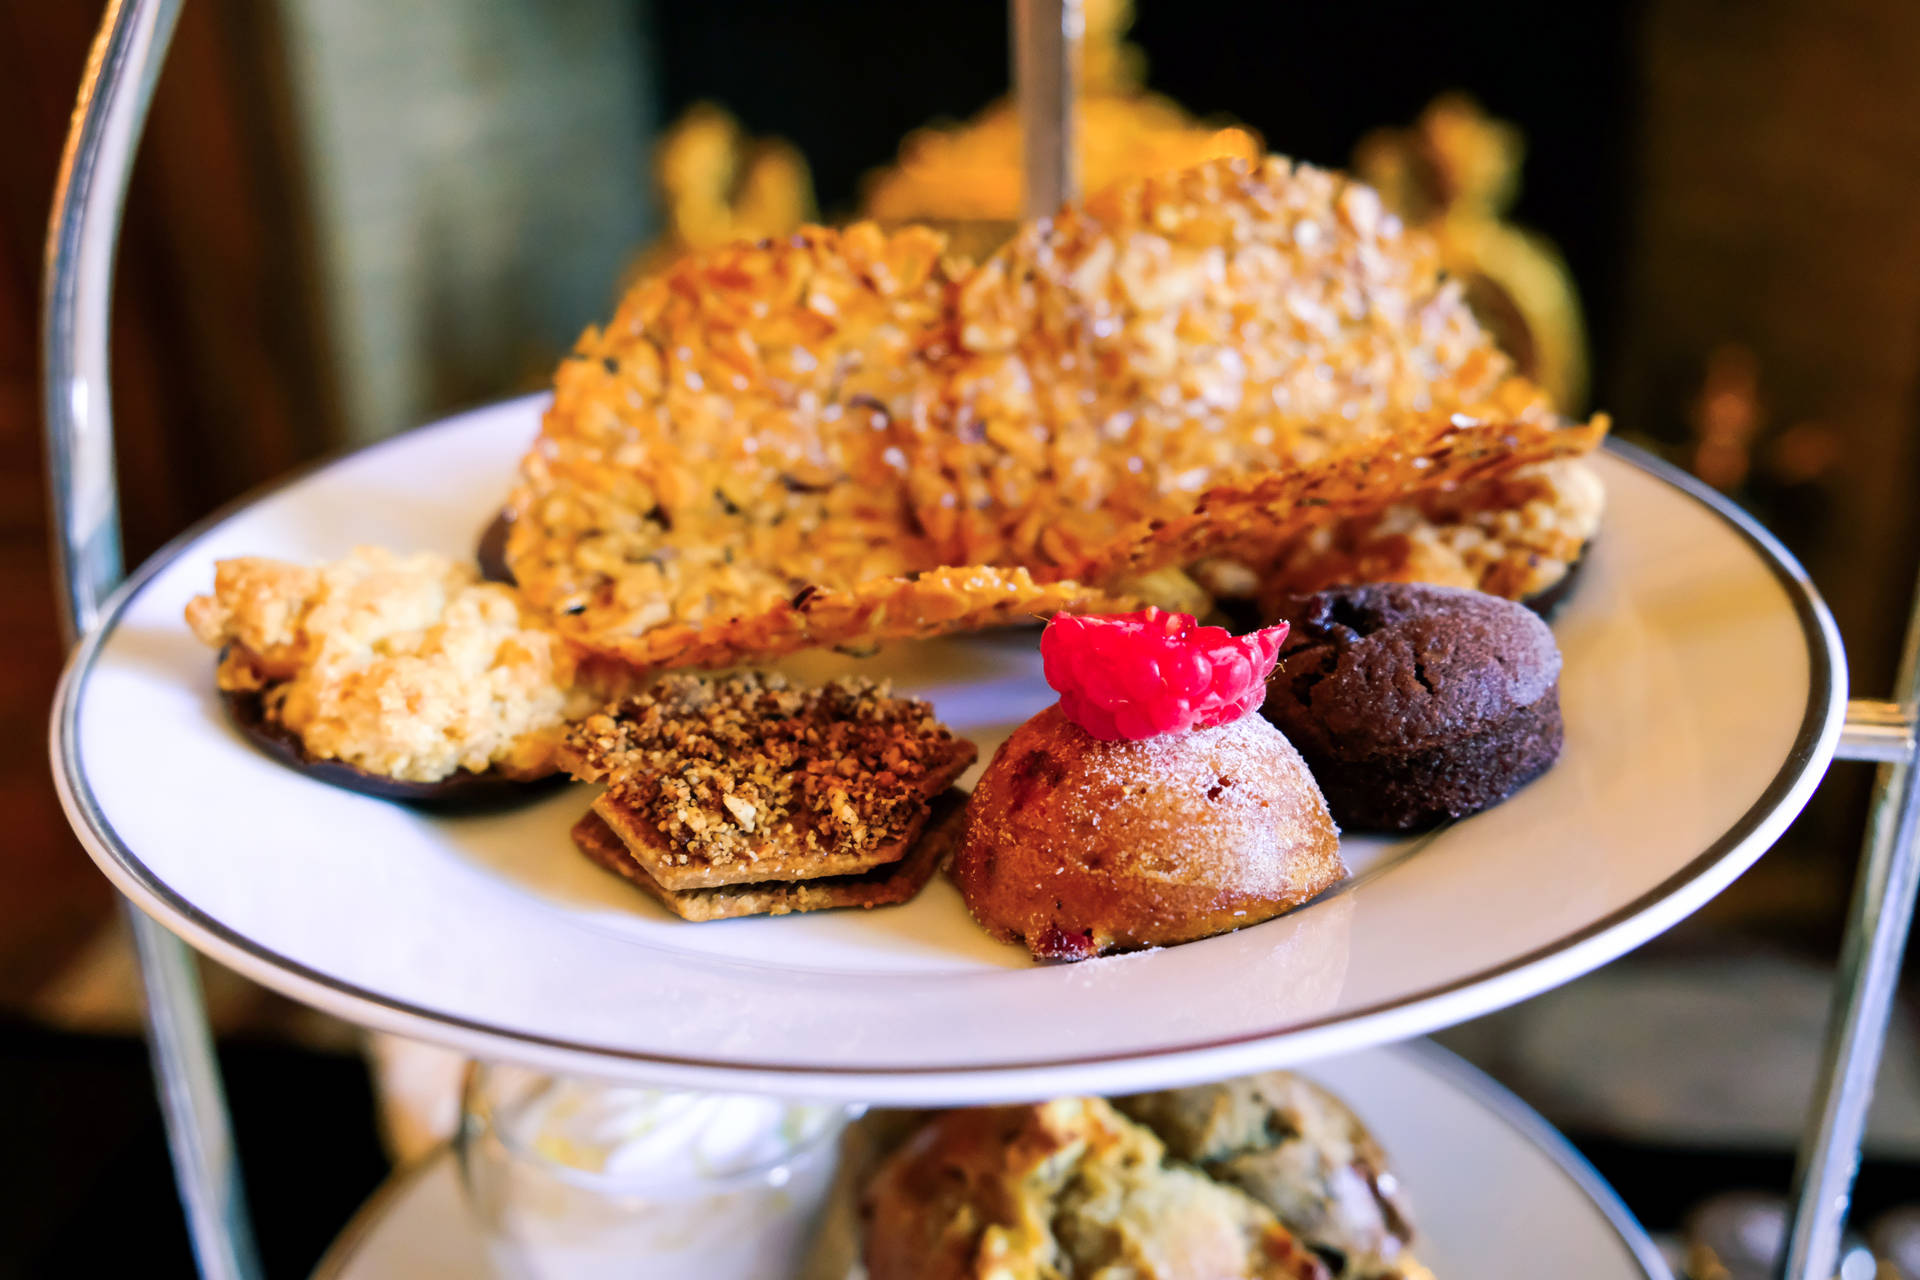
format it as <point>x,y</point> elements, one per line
<point>1868,974</point>
<point>82,236</point>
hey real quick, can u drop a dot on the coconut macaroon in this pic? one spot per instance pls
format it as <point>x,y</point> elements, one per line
<point>1519,536</point>
<point>407,668</point>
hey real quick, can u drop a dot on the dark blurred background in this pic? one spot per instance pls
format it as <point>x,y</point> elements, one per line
<point>349,217</point>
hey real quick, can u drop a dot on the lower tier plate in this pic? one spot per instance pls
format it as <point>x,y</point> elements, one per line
<point>1703,691</point>
<point>1495,1191</point>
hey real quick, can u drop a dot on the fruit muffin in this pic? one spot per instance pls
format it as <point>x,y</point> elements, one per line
<point>1145,808</point>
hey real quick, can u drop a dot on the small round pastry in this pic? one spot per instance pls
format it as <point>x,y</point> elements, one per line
<point>1146,808</point>
<point>1414,704</point>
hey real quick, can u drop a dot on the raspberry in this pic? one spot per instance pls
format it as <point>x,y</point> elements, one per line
<point>1136,675</point>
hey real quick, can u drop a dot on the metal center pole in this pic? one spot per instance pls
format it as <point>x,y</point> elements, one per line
<point>1046,37</point>
<point>82,236</point>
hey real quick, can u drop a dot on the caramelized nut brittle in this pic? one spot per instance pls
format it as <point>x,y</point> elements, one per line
<point>843,436</point>
<point>1424,461</point>
<point>1183,332</point>
<point>723,441</point>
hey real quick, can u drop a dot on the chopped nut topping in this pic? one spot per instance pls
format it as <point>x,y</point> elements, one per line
<point>735,767</point>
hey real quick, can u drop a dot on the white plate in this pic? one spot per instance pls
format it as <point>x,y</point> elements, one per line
<point>1530,1205</point>
<point>1703,692</point>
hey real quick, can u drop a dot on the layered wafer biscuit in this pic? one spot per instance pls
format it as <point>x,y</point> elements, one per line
<point>675,870</point>
<point>886,885</point>
<point>745,778</point>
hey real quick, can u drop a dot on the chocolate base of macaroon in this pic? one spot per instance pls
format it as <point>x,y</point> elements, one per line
<point>491,553</point>
<point>1547,602</point>
<point>1415,704</point>
<point>461,792</point>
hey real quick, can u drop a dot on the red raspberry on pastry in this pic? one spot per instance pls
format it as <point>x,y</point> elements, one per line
<point>1137,675</point>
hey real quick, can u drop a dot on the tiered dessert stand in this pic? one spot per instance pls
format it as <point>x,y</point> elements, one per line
<point>1705,694</point>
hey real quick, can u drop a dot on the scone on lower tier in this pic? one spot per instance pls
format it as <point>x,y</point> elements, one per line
<point>405,669</point>
<point>1301,1152</point>
<point>748,784</point>
<point>1068,1188</point>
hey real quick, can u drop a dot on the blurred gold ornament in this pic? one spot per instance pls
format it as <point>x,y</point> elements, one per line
<point>1455,174</point>
<point>1726,417</point>
<point>718,185</point>
<point>1108,64</point>
<point>1733,444</point>
<point>965,179</point>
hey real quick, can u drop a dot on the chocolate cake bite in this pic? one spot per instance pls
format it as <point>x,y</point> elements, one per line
<point>1415,704</point>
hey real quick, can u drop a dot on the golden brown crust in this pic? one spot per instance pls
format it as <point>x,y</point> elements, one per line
<point>887,885</point>
<point>1060,1189</point>
<point>842,437</point>
<point>745,777</point>
<point>1182,332</point>
<point>1515,536</point>
<point>1077,847</point>
<point>1251,522</point>
<point>1299,1150</point>
<point>405,667</point>
<point>937,602</point>
<point>721,443</point>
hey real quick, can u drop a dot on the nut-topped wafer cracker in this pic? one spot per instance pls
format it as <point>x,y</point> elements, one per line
<point>676,870</point>
<point>883,886</point>
<point>746,779</point>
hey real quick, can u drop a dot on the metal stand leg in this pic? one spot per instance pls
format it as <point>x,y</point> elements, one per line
<point>1870,955</point>
<point>84,231</point>
<point>194,1104</point>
